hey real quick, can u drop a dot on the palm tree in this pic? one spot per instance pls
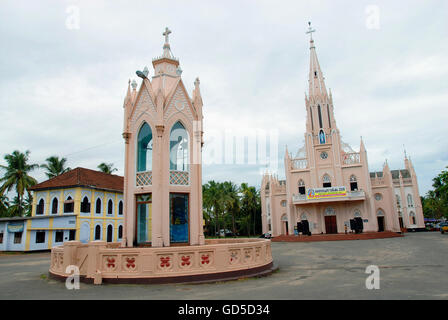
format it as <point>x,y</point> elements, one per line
<point>107,167</point>
<point>55,166</point>
<point>230,199</point>
<point>16,176</point>
<point>4,204</point>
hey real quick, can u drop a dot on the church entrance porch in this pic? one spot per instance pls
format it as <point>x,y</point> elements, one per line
<point>380,224</point>
<point>331,226</point>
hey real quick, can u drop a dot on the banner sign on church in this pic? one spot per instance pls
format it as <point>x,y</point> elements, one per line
<point>325,193</point>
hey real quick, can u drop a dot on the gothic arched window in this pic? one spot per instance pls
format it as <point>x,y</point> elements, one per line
<point>311,113</point>
<point>69,205</point>
<point>301,187</point>
<point>54,206</point>
<point>326,181</point>
<point>410,201</point>
<point>120,232</point>
<point>328,113</point>
<point>120,208</point>
<point>412,217</point>
<point>144,148</point>
<point>40,207</point>
<point>110,207</point>
<point>179,155</point>
<point>353,183</point>
<point>98,206</point>
<point>85,205</point>
<point>98,232</point>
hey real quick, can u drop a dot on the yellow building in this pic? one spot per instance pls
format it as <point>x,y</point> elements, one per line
<point>81,204</point>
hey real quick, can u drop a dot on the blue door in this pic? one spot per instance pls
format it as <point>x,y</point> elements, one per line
<point>179,218</point>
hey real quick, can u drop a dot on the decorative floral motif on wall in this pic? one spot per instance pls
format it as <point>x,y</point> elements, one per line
<point>110,263</point>
<point>205,259</point>
<point>130,263</point>
<point>165,262</point>
<point>234,256</point>
<point>248,255</point>
<point>185,260</point>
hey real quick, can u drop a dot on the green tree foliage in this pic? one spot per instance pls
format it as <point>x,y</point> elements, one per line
<point>435,202</point>
<point>54,166</point>
<point>107,167</point>
<point>16,177</point>
<point>231,207</point>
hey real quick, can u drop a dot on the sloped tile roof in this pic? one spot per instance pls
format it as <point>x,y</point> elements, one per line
<point>83,177</point>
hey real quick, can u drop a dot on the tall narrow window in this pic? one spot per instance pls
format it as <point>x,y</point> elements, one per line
<point>353,183</point>
<point>110,207</point>
<point>410,201</point>
<point>320,116</point>
<point>328,113</point>
<point>312,122</point>
<point>40,207</point>
<point>98,232</point>
<point>98,206</point>
<point>120,208</point>
<point>54,206</point>
<point>120,232</point>
<point>144,148</point>
<point>301,187</point>
<point>110,233</point>
<point>179,148</point>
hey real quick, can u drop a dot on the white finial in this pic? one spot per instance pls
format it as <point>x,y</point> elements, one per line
<point>166,34</point>
<point>310,30</point>
<point>134,84</point>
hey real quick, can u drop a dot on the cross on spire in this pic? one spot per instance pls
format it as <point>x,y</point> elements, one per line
<point>166,34</point>
<point>310,30</point>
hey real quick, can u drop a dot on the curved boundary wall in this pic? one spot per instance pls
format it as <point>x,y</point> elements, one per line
<point>218,259</point>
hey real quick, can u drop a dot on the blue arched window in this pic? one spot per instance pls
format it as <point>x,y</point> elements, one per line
<point>144,149</point>
<point>179,155</point>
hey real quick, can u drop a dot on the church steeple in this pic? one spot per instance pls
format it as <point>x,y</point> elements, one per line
<point>319,103</point>
<point>316,78</point>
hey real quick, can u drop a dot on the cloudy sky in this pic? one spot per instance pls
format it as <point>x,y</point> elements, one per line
<point>64,68</point>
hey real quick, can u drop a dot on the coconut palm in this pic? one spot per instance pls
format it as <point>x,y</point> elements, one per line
<point>17,176</point>
<point>107,167</point>
<point>4,204</point>
<point>55,166</point>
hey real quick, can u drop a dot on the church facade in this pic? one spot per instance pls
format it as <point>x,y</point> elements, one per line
<point>328,183</point>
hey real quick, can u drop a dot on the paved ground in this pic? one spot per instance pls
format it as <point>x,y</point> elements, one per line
<point>412,267</point>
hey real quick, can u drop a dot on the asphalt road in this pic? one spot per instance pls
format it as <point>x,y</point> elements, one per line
<point>412,267</point>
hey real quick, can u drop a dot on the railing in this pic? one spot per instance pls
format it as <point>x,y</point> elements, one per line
<point>407,180</point>
<point>351,158</point>
<point>144,178</point>
<point>179,178</point>
<point>299,163</point>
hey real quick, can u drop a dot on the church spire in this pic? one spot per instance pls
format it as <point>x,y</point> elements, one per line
<point>316,78</point>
